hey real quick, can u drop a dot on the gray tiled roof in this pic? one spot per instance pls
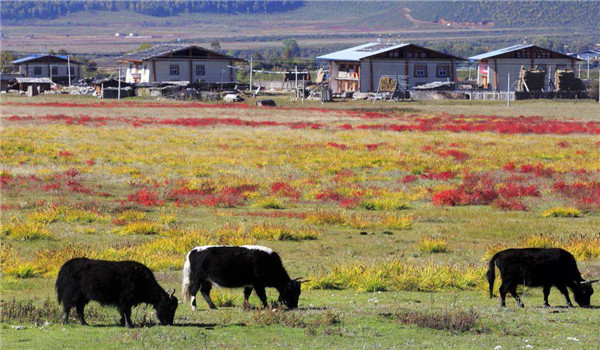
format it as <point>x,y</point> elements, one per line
<point>165,49</point>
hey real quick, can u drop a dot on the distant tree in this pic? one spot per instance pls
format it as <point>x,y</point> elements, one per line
<point>290,49</point>
<point>215,45</point>
<point>144,46</point>
<point>5,60</point>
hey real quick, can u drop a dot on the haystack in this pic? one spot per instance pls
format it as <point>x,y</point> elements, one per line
<point>531,79</point>
<point>565,80</point>
<point>387,84</point>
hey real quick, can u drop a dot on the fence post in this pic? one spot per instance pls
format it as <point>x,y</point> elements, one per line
<point>508,92</point>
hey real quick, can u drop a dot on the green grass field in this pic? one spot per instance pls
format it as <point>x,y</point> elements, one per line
<point>352,208</point>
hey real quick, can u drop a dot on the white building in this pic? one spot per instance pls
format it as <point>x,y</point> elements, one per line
<point>360,68</point>
<point>495,66</point>
<point>49,66</point>
<point>179,62</point>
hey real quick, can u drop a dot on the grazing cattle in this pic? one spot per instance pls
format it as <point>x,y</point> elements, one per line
<point>123,284</point>
<point>250,267</point>
<point>539,267</point>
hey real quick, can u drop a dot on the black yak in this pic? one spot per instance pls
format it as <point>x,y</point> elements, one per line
<point>250,267</point>
<point>123,284</point>
<point>539,267</point>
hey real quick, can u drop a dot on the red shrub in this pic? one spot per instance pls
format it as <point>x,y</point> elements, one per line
<point>511,190</point>
<point>510,166</point>
<point>285,190</point>
<point>458,155</point>
<point>510,204</point>
<point>538,170</point>
<point>475,190</point>
<point>337,145</point>
<point>443,176</point>
<point>144,197</point>
<point>409,178</point>
<point>90,161</point>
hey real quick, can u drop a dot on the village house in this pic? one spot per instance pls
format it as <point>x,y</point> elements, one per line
<point>495,66</point>
<point>360,68</point>
<point>49,66</point>
<point>179,62</point>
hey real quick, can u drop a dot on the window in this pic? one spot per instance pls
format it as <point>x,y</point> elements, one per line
<point>174,69</point>
<point>420,71</point>
<point>72,70</point>
<point>54,71</point>
<point>200,70</point>
<point>442,71</point>
<point>131,66</point>
<point>37,70</point>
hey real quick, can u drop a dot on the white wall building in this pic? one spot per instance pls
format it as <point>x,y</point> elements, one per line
<point>495,66</point>
<point>360,68</point>
<point>178,62</point>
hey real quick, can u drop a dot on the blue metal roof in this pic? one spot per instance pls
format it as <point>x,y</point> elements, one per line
<point>36,56</point>
<point>359,52</point>
<point>513,48</point>
<point>499,52</point>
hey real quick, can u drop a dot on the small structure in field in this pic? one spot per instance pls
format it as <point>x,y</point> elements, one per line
<point>179,62</point>
<point>54,67</point>
<point>361,68</point>
<point>495,66</point>
<point>35,85</point>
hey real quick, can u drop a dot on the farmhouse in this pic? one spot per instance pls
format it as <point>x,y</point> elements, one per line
<point>360,68</point>
<point>494,66</point>
<point>179,62</point>
<point>49,66</point>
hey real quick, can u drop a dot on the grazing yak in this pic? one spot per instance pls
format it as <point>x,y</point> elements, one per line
<point>539,267</point>
<point>250,267</point>
<point>123,284</point>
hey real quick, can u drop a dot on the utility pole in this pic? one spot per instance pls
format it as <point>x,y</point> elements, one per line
<point>508,92</point>
<point>69,67</point>
<point>303,88</point>
<point>251,64</point>
<point>296,73</point>
<point>588,69</point>
<point>119,91</point>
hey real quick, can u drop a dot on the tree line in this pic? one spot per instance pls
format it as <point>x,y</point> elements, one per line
<point>25,9</point>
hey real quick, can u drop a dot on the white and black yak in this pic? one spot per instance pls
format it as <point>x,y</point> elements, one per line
<point>123,284</point>
<point>249,267</point>
<point>539,267</point>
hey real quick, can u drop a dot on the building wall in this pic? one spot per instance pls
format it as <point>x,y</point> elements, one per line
<point>28,70</point>
<point>399,67</point>
<point>214,71</point>
<point>504,66</point>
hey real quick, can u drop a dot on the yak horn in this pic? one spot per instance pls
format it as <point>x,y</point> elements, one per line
<point>299,280</point>
<point>171,292</point>
<point>592,281</point>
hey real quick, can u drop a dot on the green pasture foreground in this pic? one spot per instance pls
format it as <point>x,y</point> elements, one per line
<point>330,320</point>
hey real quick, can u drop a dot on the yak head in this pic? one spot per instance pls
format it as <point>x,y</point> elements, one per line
<point>583,292</point>
<point>165,309</point>
<point>291,293</point>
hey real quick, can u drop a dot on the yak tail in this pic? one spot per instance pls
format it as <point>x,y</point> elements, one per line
<point>185,283</point>
<point>491,274</point>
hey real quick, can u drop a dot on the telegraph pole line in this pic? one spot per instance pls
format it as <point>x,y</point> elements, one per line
<point>508,92</point>
<point>251,64</point>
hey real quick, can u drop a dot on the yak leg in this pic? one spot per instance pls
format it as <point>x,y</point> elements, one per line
<point>205,290</point>
<point>79,307</point>
<point>247,292</point>
<point>546,294</point>
<point>262,295</point>
<point>503,291</point>
<point>193,291</point>
<point>125,312</point>
<point>565,292</point>
<point>65,314</point>
<point>513,292</point>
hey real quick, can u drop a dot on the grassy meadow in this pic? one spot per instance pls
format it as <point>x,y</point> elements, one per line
<point>391,210</point>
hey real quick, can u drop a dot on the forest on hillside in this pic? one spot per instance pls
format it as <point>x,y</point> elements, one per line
<point>46,10</point>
